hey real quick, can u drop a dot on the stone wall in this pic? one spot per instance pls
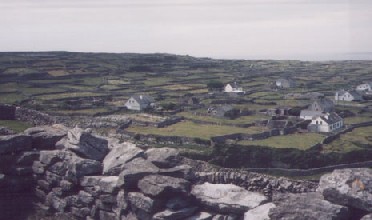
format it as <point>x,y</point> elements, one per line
<point>33,117</point>
<point>74,174</point>
<point>7,112</point>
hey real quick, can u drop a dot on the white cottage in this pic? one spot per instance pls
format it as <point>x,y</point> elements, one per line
<point>139,102</point>
<point>328,122</point>
<point>365,87</point>
<point>349,96</point>
<point>233,88</point>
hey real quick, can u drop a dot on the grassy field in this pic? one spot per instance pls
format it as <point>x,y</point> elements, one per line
<point>241,120</point>
<point>17,126</point>
<point>358,139</point>
<point>299,141</point>
<point>190,129</point>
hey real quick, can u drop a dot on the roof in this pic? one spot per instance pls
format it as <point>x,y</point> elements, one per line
<point>324,102</point>
<point>234,85</point>
<point>332,118</point>
<point>143,99</point>
<point>224,108</point>
<point>353,93</point>
<point>310,113</point>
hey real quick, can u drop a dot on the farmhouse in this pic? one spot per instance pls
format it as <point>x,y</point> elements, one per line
<point>343,95</point>
<point>139,102</point>
<point>322,105</point>
<point>365,87</point>
<point>233,88</point>
<point>285,83</point>
<point>326,123</point>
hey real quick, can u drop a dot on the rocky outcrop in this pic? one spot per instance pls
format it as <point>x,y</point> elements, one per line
<point>350,187</point>
<point>84,176</point>
<point>120,154</point>
<point>6,131</point>
<point>227,198</point>
<point>85,144</point>
<point>305,206</point>
<point>46,137</point>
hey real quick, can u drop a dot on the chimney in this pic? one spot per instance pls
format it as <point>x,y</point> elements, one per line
<point>141,97</point>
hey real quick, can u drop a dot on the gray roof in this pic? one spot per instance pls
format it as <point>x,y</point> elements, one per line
<point>309,113</point>
<point>143,99</point>
<point>332,118</point>
<point>325,102</point>
<point>234,85</point>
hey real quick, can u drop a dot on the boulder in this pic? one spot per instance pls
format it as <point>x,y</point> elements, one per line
<point>15,143</point>
<point>57,203</point>
<point>175,215</point>
<point>306,206</point>
<point>121,202</point>
<point>156,185</point>
<point>49,157</point>
<point>6,131</point>
<point>107,215</point>
<point>134,171</point>
<point>178,202</point>
<point>367,217</point>
<point>163,157</point>
<point>119,155</point>
<point>46,137</point>
<point>227,198</point>
<point>28,158</point>
<point>140,201</point>
<point>201,216</point>
<point>84,144</point>
<point>106,184</point>
<point>260,212</point>
<point>78,167</point>
<point>85,198</point>
<point>350,187</point>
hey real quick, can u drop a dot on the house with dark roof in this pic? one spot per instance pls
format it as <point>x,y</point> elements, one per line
<point>285,83</point>
<point>349,96</point>
<point>328,122</point>
<point>233,88</point>
<point>322,105</point>
<point>139,102</point>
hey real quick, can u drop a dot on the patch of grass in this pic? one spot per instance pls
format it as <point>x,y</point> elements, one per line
<point>351,141</point>
<point>190,129</point>
<point>68,95</point>
<point>17,126</point>
<point>241,120</point>
<point>11,98</point>
<point>299,141</point>
<point>357,120</point>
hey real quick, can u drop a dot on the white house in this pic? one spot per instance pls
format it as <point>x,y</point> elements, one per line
<point>139,102</point>
<point>349,96</point>
<point>328,122</point>
<point>285,83</point>
<point>233,88</point>
<point>365,87</point>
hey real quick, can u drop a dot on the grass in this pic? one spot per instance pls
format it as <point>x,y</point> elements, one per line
<point>11,98</point>
<point>357,119</point>
<point>89,112</point>
<point>68,95</point>
<point>299,141</point>
<point>351,141</point>
<point>190,129</point>
<point>17,126</point>
<point>240,120</point>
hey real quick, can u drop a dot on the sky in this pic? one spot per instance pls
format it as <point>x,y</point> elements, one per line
<point>244,29</point>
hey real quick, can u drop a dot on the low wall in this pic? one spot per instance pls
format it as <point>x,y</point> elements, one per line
<point>34,117</point>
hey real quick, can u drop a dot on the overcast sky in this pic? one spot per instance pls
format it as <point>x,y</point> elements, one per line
<point>258,29</point>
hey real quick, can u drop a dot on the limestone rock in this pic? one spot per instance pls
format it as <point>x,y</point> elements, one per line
<point>119,155</point>
<point>134,171</point>
<point>6,131</point>
<point>350,187</point>
<point>139,201</point>
<point>163,157</point>
<point>227,198</point>
<point>175,215</point>
<point>367,217</point>
<point>78,167</point>
<point>27,158</point>
<point>307,206</point>
<point>46,137</point>
<point>107,184</point>
<point>156,185</point>
<point>15,143</point>
<point>259,213</point>
<point>84,144</point>
<point>201,216</point>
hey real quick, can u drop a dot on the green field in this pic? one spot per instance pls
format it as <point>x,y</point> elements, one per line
<point>299,141</point>
<point>17,126</point>
<point>190,129</point>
